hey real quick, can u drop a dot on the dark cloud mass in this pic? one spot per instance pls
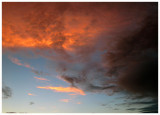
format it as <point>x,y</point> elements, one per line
<point>134,59</point>
<point>7,92</point>
<point>98,47</point>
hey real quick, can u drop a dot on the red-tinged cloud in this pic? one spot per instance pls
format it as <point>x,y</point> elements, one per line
<point>64,89</point>
<point>15,61</point>
<point>78,102</point>
<point>65,100</point>
<point>18,62</point>
<point>40,78</point>
<point>31,94</point>
<point>97,47</point>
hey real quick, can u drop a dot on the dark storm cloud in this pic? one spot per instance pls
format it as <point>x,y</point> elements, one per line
<point>134,59</point>
<point>131,57</point>
<point>7,92</point>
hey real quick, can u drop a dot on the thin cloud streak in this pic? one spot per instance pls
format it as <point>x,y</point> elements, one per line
<point>18,62</point>
<point>40,78</point>
<point>64,89</point>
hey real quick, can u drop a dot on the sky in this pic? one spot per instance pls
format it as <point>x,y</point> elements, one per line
<point>92,57</point>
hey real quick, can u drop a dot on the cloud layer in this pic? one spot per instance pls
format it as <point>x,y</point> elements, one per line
<point>97,47</point>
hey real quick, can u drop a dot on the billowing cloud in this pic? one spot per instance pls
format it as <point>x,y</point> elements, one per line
<point>96,47</point>
<point>64,89</point>
<point>40,78</point>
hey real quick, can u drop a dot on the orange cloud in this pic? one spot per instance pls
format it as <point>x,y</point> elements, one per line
<point>40,78</point>
<point>26,43</point>
<point>68,33</point>
<point>30,94</point>
<point>64,89</point>
<point>18,62</point>
<point>65,100</point>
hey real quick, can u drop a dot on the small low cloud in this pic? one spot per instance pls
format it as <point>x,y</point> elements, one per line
<point>7,92</point>
<point>31,103</point>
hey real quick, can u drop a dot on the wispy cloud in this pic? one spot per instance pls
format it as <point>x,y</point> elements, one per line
<point>64,89</point>
<point>24,64</point>
<point>41,78</point>
<point>65,100</point>
<point>18,62</point>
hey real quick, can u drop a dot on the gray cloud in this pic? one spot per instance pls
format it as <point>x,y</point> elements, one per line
<point>31,103</point>
<point>7,92</point>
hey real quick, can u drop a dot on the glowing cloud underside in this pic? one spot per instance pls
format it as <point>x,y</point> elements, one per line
<point>64,89</point>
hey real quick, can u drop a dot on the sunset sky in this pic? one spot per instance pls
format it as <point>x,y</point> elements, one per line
<point>80,57</point>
